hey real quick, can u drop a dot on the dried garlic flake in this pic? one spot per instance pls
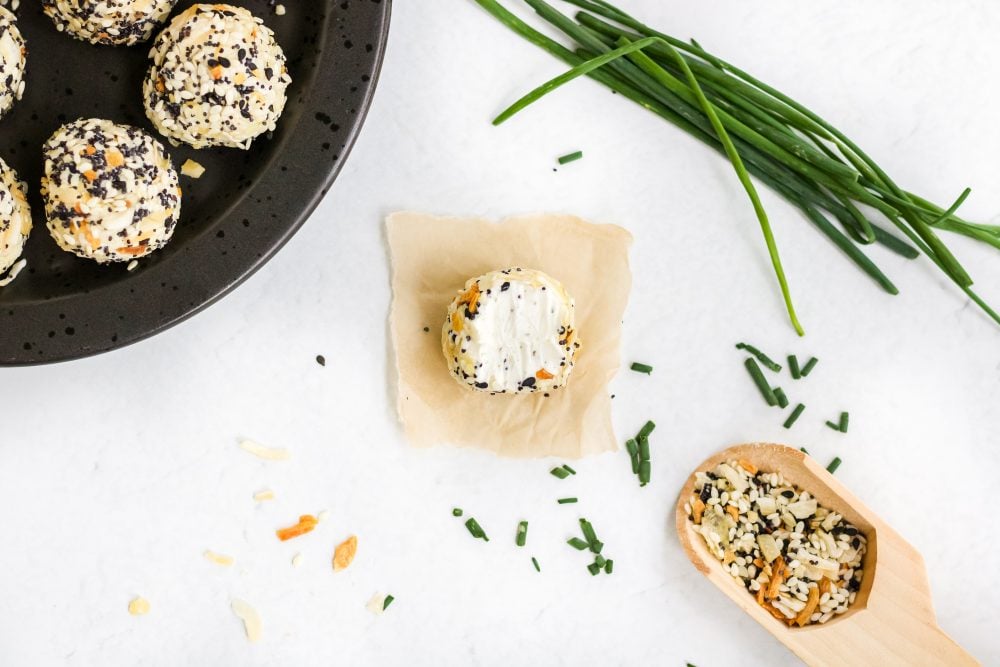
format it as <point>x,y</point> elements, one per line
<point>250,618</point>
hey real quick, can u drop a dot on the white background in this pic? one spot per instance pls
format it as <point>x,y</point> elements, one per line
<point>117,472</point>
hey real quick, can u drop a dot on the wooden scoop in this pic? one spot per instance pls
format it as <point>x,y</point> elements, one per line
<point>891,621</point>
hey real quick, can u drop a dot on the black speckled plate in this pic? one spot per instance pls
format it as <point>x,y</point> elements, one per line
<point>233,219</point>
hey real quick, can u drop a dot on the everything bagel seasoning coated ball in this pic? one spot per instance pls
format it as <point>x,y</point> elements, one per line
<point>218,78</point>
<point>110,191</point>
<point>511,331</point>
<point>12,57</point>
<point>108,22</point>
<point>15,223</point>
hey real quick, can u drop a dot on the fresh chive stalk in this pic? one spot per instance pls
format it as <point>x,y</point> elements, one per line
<point>760,381</point>
<point>642,368</point>
<point>761,357</point>
<point>571,157</point>
<point>788,147</point>
<point>811,364</point>
<point>834,464</point>
<point>796,413</point>
<point>594,569</point>
<point>643,449</point>
<point>600,561</point>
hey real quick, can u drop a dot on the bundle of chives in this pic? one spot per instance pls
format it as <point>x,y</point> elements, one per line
<point>763,132</point>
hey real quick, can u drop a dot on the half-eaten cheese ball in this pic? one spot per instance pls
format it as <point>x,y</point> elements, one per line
<point>511,331</point>
<point>15,224</point>
<point>108,22</point>
<point>110,191</point>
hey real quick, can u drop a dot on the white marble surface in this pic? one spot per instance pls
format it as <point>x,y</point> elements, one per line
<point>117,472</point>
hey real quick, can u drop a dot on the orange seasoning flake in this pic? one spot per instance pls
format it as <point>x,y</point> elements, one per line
<point>305,525</point>
<point>344,553</point>
<point>543,374</point>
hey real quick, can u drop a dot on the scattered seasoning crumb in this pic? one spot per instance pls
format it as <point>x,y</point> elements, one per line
<point>297,560</point>
<point>457,511</point>
<point>343,555</point>
<point>192,169</point>
<point>138,606</point>
<point>566,501</point>
<point>305,525</point>
<point>321,360</point>
<point>642,368</point>
<point>218,559</point>
<point>761,357</point>
<point>807,369</point>
<point>263,494</point>
<point>132,266</point>
<point>262,452</point>
<point>794,416</point>
<point>388,601</point>
<point>376,604</point>
<point>534,561</point>
<point>279,10</point>
<point>570,157</point>
<point>250,618</point>
<point>834,464</point>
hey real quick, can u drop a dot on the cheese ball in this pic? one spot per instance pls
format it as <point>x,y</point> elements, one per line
<point>12,57</point>
<point>511,332</point>
<point>110,191</point>
<point>15,224</point>
<point>108,22</point>
<point>218,78</point>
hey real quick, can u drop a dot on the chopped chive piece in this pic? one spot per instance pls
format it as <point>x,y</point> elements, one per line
<point>807,369</point>
<point>387,601</point>
<point>845,419</point>
<point>522,533</point>
<point>793,366</point>
<point>609,566</point>
<point>633,452</point>
<point>834,464</point>
<point>568,469</point>
<point>571,157</point>
<point>534,561</point>
<point>804,451</point>
<point>795,415</point>
<point>761,357</point>
<point>594,569</point>
<point>646,430</point>
<point>835,427</point>
<point>596,546</point>
<point>457,511</point>
<point>760,381</point>
<point>642,368</point>
<point>588,531</point>
<point>475,529</point>
<point>643,449</point>
<point>577,543</point>
<point>782,399</point>
<point>559,472</point>
<point>566,501</point>
<point>644,472</point>
<point>600,560</point>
